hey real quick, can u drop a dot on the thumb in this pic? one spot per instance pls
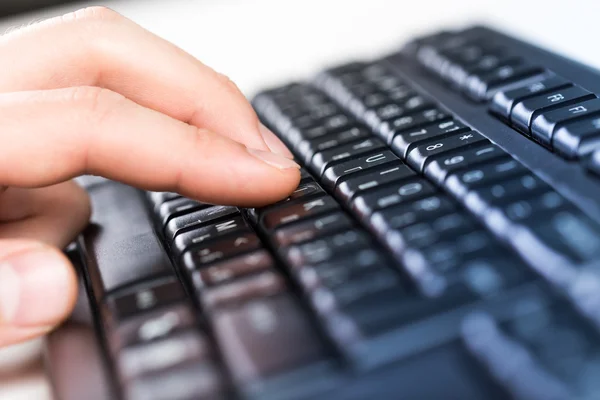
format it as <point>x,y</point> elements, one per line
<point>37,289</point>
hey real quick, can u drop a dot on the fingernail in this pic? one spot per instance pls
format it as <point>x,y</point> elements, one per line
<point>35,289</point>
<point>273,159</point>
<point>274,143</point>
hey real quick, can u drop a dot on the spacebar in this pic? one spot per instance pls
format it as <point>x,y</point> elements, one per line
<point>120,243</point>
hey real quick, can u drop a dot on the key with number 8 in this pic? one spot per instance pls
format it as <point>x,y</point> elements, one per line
<point>421,154</point>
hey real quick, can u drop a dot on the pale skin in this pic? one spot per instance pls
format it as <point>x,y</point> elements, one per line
<point>93,93</point>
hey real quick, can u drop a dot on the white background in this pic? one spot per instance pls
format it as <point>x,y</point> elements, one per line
<point>265,42</point>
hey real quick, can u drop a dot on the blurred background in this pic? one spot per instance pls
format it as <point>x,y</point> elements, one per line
<point>260,43</point>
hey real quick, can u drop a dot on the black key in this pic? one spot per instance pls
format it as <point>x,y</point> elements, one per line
<point>308,148</point>
<point>151,325</point>
<point>190,381</point>
<point>326,248</point>
<point>385,112</point>
<point>266,337</point>
<point>323,160</point>
<point>241,291</point>
<point>311,229</point>
<point>304,175</point>
<point>376,99</point>
<point>178,349</point>
<point>577,139</point>
<point>143,297</point>
<point>177,207</point>
<point>401,192</point>
<point>379,177</point>
<point>483,87</point>
<point>593,163</point>
<point>401,216</point>
<point>198,237</point>
<point>157,198</point>
<point>387,130</point>
<point>461,182</point>
<point>541,204</point>
<point>503,102</point>
<point>232,269</point>
<point>297,211</point>
<point>419,156</point>
<point>403,142</point>
<point>525,186</point>
<point>439,167</point>
<point>545,124</point>
<point>339,172</point>
<point>524,112</point>
<point>196,219</point>
<point>221,249</point>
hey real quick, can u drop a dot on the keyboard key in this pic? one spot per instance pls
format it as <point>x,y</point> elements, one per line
<point>232,269</point>
<point>308,148</point>
<point>439,167</point>
<point>323,160</point>
<point>196,219</point>
<point>177,349</point>
<point>338,172</point>
<point>541,204</point>
<point>388,196</point>
<point>524,112</point>
<point>243,290</point>
<point>297,211</point>
<point>144,297</point>
<point>419,156</point>
<point>545,124</point>
<point>311,229</point>
<point>387,130</point>
<point>504,101</point>
<point>577,139</point>
<point>404,142</point>
<point>177,207</point>
<point>483,87</point>
<point>593,163</point>
<point>461,182</point>
<point>221,249</point>
<point>326,248</point>
<point>378,177</point>
<point>196,237</point>
<point>158,198</point>
<point>266,337</point>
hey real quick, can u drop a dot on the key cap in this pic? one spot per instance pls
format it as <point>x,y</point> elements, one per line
<point>419,156</point>
<point>323,160</point>
<point>144,297</point>
<point>577,139</point>
<point>439,167</point>
<point>541,204</point>
<point>404,142</point>
<point>544,125</point>
<point>266,337</point>
<point>221,249</point>
<point>402,192</point>
<point>483,87</point>
<point>158,198</point>
<point>177,207</point>
<point>298,211</point>
<point>196,237</point>
<point>308,148</point>
<point>461,182</point>
<point>411,122</point>
<point>151,325</point>
<point>326,248</point>
<point>196,219</point>
<point>232,269</point>
<point>233,294</point>
<point>593,163</point>
<point>524,112</point>
<point>338,172</point>
<point>177,349</point>
<point>311,229</point>
<point>351,187</point>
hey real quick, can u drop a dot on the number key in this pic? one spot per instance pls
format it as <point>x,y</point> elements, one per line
<point>419,156</point>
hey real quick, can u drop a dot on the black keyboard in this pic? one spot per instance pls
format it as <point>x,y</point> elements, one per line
<point>443,243</point>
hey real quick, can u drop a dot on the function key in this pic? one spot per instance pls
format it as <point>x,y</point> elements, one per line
<point>421,153</point>
<point>577,139</point>
<point>378,177</point>
<point>524,112</point>
<point>346,169</point>
<point>504,101</point>
<point>544,125</point>
<point>483,87</point>
<point>280,216</point>
<point>403,142</point>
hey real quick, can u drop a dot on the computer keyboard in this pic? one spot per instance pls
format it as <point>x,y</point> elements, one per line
<point>443,243</point>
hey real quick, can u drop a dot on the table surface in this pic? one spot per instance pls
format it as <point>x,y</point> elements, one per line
<point>265,42</point>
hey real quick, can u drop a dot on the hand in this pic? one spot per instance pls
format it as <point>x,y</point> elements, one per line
<point>91,92</point>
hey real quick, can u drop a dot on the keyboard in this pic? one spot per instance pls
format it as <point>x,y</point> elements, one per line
<point>443,243</point>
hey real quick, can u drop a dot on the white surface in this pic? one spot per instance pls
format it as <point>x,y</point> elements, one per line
<point>265,42</point>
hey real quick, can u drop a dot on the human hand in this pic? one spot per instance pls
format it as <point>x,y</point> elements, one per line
<point>91,92</point>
